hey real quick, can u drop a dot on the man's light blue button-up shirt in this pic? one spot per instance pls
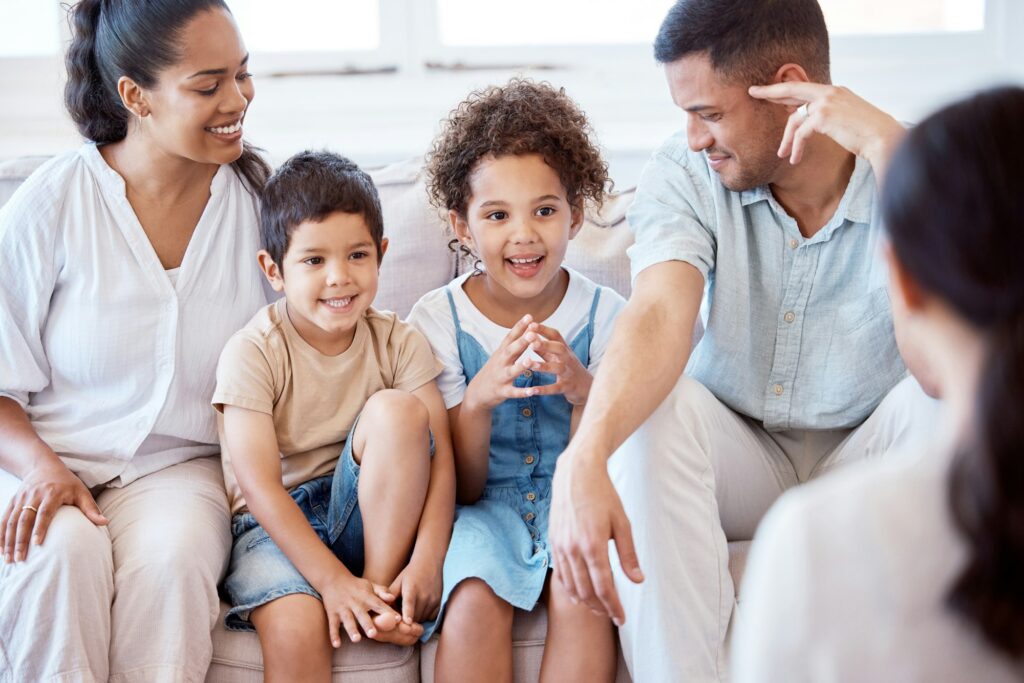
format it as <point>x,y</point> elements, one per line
<point>798,331</point>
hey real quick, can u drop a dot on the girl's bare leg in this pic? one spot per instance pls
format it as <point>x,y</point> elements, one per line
<point>580,645</point>
<point>476,638</point>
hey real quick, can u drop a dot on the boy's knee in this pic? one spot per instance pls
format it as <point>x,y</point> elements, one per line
<point>294,628</point>
<point>397,407</point>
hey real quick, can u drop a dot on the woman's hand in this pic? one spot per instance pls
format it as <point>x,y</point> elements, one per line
<point>572,379</point>
<point>854,123</point>
<point>495,383</point>
<point>420,585</point>
<point>47,487</point>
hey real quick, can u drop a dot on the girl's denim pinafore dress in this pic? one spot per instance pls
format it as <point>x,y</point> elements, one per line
<point>502,539</point>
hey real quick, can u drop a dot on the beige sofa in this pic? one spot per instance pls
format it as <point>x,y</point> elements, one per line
<point>417,261</point>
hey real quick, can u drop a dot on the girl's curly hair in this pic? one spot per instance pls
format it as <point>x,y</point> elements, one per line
<point>521,117</point>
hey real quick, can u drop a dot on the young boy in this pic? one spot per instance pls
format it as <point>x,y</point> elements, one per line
<point>341,500</point>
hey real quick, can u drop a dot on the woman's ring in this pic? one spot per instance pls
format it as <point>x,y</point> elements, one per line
<point>29,507</point>
<point>803,110</point>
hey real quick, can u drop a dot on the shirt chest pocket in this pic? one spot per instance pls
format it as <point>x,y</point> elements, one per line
<point>854,315</point>
<point>863,362</point>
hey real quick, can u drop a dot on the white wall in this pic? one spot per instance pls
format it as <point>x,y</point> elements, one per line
<point>376,119</point>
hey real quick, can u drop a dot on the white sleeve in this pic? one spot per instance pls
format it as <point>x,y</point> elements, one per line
<point>775,634</point>
<point>29,253</point>
<point>608,309</point>
<point>432,316</point>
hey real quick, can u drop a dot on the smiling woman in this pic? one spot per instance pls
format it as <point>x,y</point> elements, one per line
<point>133,261</point>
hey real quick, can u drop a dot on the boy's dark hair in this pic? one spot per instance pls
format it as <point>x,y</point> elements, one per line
<point>747,41</point>
<point>309,187</point>
<point>521,117</point>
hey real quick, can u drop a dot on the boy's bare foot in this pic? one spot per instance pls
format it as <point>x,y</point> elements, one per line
<point>386,622</point>
<point>404,634</point>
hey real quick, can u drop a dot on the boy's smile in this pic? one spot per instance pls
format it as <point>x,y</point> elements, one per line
<point>329,277</point>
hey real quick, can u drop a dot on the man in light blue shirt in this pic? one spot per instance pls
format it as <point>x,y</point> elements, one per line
<point>798,370</point>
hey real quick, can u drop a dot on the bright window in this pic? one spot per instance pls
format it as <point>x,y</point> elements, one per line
<point>308,25</point>
<point>549,22</point>
<point>903,16</point>
<point>30,28</point>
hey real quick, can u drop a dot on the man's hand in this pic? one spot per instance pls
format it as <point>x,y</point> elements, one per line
<point>854,123</point>
<point>585,514</point>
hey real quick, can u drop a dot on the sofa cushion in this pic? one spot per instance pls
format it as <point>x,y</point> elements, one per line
<point>237,658</point>
<point>418,258</point>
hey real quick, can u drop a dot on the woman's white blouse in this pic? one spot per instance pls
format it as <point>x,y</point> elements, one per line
<point>847,581</point>
<point>113,361</point>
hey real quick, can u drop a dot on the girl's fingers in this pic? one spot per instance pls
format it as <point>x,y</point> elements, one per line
<point>511,391</point>
<point>555,367</point>
<point>553,389</point>
<point>551,333</point>
<point>515,349</point>
<point>517,331</point>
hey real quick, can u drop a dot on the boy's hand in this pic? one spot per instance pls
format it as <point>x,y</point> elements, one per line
<point>494,384</point>
<point>573,380</point>
<point>420,585</point>
<point>349,602</point>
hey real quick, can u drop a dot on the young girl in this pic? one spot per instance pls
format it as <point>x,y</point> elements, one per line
<point>520,338</point>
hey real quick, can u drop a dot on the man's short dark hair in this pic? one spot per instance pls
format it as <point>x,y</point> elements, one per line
<point>747,40</point>
<point>309,187</point>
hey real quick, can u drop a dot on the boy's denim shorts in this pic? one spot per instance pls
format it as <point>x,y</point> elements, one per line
<point>260,572</point>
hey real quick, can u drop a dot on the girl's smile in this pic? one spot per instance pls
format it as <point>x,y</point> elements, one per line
<point>519,222</point>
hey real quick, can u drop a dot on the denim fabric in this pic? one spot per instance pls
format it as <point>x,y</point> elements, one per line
<point>260,572</point>
<point>503,538</point>
<point>798,331</point>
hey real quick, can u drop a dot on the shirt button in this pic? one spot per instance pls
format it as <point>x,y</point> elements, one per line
<point>778,390</point>
<point>793,244</point>
<point>789,317</point>
<point>531,496</point>
<point>527,373</point>
<point>529,460</point>
<point>527,412</point>
<point>529,516</point>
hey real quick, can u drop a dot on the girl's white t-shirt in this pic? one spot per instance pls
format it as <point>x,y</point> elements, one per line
<point>432,315</point>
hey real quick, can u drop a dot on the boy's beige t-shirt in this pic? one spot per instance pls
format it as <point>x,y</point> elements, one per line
<point>314,399</point>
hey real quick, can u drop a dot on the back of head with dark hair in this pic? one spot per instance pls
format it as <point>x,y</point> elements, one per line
<point>137,39</point>
<point>954,206</point>
<point>309,187</point>
<point>747,41</point>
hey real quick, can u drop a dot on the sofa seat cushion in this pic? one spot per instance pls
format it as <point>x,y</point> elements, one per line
<point>237,658</point>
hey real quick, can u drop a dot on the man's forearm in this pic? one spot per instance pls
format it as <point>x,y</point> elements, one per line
<point>647,354</point>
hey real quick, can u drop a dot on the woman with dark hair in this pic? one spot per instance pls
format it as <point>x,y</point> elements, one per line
<point>912,568</point>
<point>127,263</point>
